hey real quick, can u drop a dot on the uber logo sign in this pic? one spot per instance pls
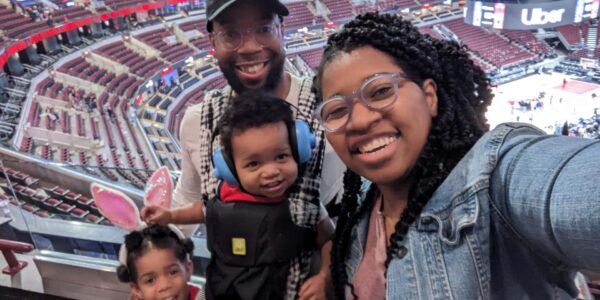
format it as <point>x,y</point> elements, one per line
<point>502,15</point>
<point>540,17</point>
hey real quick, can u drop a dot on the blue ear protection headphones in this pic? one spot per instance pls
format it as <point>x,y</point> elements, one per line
<point>302,142</point>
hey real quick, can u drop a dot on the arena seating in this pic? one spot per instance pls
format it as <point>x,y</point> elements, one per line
<point>172,53</point>
<point>193,97</point>
<point>312,57</point>
<point>137,64</point>
<point>585,53</point>
<point>118,4</point>
<point>527,39</point>
<point>80,68</point>
<point>572,34</point>
<point>200,42</point>
<point>68,14</point>
<point>340,9</point>
<point>74,122</point>
<point>18,26</point>
<point>386,5</point>
<point>49,201</point>
<point>488,45</point>
<point>429,30</point>
<point>299,15</point>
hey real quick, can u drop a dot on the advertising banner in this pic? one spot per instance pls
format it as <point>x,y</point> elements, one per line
<point>500,15</point>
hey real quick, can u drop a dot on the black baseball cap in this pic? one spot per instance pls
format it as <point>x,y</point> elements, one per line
<point>215,7</point>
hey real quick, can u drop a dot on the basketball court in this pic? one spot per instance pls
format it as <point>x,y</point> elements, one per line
<point>559,104</point>
<point>577,87</point>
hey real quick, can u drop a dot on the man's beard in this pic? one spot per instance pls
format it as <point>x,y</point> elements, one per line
<point>270,85</point>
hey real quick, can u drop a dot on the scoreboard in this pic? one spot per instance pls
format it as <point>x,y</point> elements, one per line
<point>529,15</point>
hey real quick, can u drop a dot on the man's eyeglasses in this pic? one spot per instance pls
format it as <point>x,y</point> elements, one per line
<point>377,92</point>
<point>233,39</point>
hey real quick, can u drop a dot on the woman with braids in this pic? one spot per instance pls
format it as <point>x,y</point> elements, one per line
<point>453,212</point>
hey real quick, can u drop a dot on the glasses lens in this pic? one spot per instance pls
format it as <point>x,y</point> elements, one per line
<point>265,34</point>
<point>335,113</point>
<point>380,91</point>
<point>231,39</point>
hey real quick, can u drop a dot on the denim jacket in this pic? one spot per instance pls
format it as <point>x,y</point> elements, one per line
<point>513,220</point>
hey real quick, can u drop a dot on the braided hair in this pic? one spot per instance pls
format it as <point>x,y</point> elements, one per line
<point>463,92</point>
<point>155,236</point>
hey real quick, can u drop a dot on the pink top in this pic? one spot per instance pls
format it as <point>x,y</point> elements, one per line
<point>369,280</point>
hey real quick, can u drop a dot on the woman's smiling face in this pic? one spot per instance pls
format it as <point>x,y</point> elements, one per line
<point>382,146</point>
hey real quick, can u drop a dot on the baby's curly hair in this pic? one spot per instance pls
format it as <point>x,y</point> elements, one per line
<point>463,92</point>
<point>138,243</point>
<point>252,109</point>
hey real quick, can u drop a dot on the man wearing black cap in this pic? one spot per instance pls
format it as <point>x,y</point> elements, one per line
<point>249,49</point>
<point>247,36</point>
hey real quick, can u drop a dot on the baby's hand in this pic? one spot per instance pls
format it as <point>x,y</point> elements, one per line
<point>314,288</point>
<point>156,215</point>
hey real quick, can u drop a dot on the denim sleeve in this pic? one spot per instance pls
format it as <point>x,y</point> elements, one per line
<point>546,189</point>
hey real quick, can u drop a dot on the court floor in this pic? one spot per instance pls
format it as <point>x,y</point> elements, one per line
<point>569,103</point>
